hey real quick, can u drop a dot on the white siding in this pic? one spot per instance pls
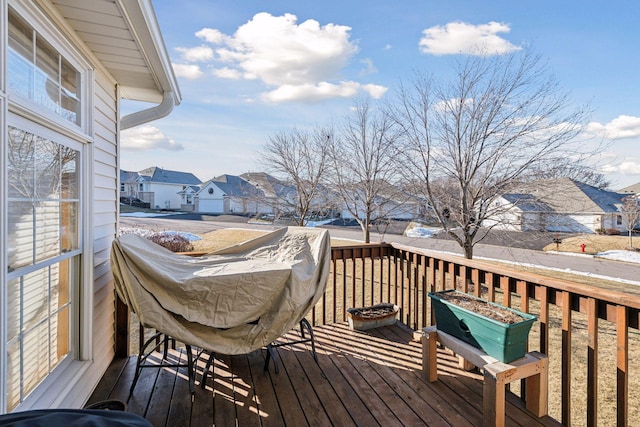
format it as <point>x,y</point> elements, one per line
<point>105,194</point>
<point>166,195</point>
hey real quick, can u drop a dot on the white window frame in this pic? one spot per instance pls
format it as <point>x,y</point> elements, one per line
<point>30,117</point>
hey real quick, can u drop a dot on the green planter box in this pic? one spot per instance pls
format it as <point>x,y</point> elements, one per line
<point>506,342</point>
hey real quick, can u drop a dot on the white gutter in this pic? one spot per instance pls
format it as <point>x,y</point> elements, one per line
<point>142,22</point>
<point>150,114</point>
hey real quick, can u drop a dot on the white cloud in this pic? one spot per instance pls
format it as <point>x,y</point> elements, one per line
<point>321,91</point>
<point>196,54</point>
<point>211,35</point>
<point>227,73</point>
<point>294,59</point>
<point>189,72</point>
<point>619,128</point>
<point>376,91</point>
<point>148,138</point>
<point>628,166</point>
<point>369,68</point>
<point>279,52</point>
<point>463,38</point>
<point>311,92</point>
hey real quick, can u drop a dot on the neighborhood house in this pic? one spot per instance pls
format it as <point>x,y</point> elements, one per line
<point>558,205</point>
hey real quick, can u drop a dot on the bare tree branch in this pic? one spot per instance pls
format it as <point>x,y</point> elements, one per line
<point>467,142</point>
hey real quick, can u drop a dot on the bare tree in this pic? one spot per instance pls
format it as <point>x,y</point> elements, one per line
<point>575,169</point>
<point>364,169</point>
<point>469,141</point>
<point>631,215</point>
<point>300,159</point>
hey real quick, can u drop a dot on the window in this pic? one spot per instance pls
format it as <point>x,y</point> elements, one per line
<point>618,219</point>
<point>39,74</point>
<point>43,153</point>
<point>43,255</point>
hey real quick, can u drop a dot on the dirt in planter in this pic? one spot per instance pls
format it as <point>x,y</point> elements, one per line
<point>482,307</point>
<point>373,312</point>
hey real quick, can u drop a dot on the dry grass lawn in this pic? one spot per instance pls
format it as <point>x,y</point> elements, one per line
<point>223,238</point>
<point>594,243</point>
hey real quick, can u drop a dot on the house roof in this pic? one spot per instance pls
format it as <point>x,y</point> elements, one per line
<point>124,35</point>
<point>631,189</point>
<point>233,185</point>
<point>190,189</point>
<point>269,185</point>
<point>128,176</point>
<point>161,175</point>
<point>527,202</point>
<point>565,195</point>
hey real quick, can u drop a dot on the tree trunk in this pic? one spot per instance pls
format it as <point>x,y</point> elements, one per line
<point>468,249</point>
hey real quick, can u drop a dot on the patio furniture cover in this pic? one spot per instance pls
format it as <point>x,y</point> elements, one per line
<point>232,301</point>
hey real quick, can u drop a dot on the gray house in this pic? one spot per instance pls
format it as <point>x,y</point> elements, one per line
<point>562,205</point>
<point>162,188</point>
<point>230,194</point>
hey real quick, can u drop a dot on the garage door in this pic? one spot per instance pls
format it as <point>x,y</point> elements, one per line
<point>211,206</point>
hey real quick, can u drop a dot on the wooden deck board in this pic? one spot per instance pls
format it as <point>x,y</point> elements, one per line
<point>371,378</point>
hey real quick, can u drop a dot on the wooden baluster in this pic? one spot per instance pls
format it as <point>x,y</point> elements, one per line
<point>566,358</point>
<point>592,362</point>
<point>622,368</point>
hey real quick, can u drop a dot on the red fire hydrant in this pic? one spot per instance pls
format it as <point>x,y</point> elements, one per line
<point>582,246</point>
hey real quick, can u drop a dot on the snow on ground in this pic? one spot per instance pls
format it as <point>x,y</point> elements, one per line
<point>422,232</point>
<point>147,233</point>
<point>620,255</point>
<point>148,214</point>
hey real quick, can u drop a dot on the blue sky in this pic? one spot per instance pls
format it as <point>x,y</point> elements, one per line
<point>249,69</point>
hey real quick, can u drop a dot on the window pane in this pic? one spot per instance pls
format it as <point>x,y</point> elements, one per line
<point>69,226</point>
<point>39,327</point>
<point>21,155</point>
<point>13,375</point>
<point>70,96</point>
<point>47,60</point>
<point>47,166</point>
<point>20,61</point>
<point>20,234</point>
<point>50,81</point>
<point>61,277</point>
<point>47,242</point>
<point>35,357</point>
<point>35,294</point>
<point>13,309</point>
<point>69,159</point>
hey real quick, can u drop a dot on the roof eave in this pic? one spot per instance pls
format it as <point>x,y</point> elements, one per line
<point>142,22</point>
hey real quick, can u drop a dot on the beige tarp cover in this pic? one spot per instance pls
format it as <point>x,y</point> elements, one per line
<point>232,301</point>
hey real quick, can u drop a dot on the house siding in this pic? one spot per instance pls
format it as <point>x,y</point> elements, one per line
<point>103,167</point>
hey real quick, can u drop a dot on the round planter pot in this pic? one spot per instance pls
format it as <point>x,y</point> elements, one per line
<point>375,316</point>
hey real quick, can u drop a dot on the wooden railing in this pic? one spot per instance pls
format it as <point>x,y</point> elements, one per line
<point>589,333</point>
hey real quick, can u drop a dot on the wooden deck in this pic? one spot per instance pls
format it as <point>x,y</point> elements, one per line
<point>361,378</point>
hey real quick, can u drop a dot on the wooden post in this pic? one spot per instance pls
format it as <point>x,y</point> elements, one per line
<point>122,328</point>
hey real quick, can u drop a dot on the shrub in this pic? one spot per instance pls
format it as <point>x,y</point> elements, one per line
<point>172,241</point>
<point>612,231</point>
